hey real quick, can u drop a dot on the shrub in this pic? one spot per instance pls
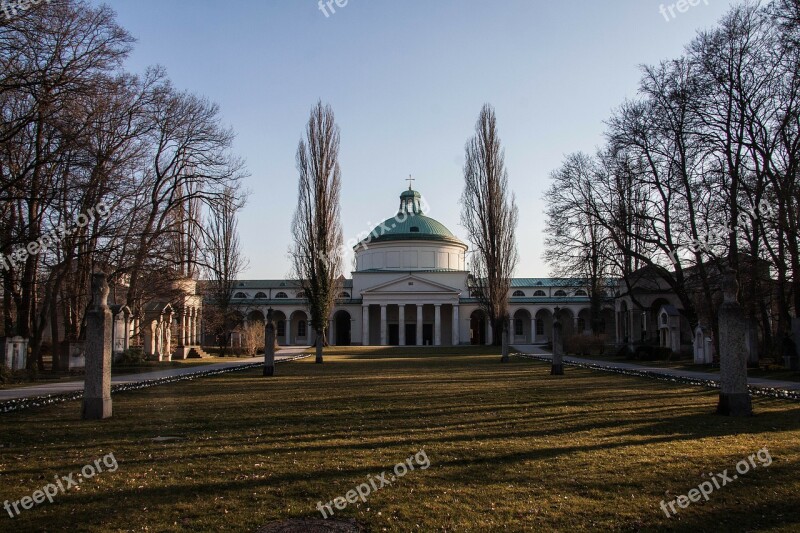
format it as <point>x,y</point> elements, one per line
<point>585,344</point>
<point>626,352</point>
<point>653,353</point>
<point>5,374</point>
<point>131,357</point>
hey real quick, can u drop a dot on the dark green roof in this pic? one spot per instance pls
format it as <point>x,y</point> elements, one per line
<point>409,224</point>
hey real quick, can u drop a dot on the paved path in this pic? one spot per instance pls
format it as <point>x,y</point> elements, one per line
<point>62,387</point>
<point>756,382</point>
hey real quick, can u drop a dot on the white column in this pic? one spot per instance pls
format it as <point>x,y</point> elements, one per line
<point>456,327</point>
<point>330,332</point>
<point>127,332</point>
<point>383,325</point>
<point>419,324</point>
<point>437,325</point>
<point>402,324</point>
<point>289,330</point>
<point>194,327</point>
<point>533,330</point>
<point>365,325</point>
<point>489,332</point>
<point>184,326</point>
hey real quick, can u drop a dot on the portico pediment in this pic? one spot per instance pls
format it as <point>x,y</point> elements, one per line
<point>411,285</point>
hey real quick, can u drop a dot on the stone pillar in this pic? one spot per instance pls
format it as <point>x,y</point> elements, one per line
<point>190,327</point>
<point>456,326</point>
<point>533,330</point>
<point>419,324</point>
<point>557,368</point>
<point>437,325</point>
<point>401,309</point>
<point>184,328</point>
<point>198,337</point>
<point>151,341</point>
<point>383,325</point>
<point>289,331</point>
<point>97,387</point>
<point>489,332</point>
<point>269,346</point>
<point>365,325</point>
<point>331,331</point>
<point>195,321</point>
<point>126,336</point>
<point>734,397</point>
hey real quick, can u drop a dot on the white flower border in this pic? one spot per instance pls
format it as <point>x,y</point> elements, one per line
<point>769,392</point>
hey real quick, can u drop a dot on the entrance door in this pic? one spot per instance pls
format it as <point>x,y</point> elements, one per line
<point>427,334</point>
<point>343,329</point>
<point>411,334</point>
<point>394,334</point>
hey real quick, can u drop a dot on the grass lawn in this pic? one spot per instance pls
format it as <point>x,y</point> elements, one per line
<point>510,448</point>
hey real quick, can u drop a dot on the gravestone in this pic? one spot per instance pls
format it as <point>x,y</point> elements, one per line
<point>15,353</point>
<point>99,323</point>
<point>269,345</point>
<point>557,369</point>
<point>72,355</point>
<point>734,397</point>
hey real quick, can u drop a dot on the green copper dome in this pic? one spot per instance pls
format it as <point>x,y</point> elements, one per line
<point>410,224</point>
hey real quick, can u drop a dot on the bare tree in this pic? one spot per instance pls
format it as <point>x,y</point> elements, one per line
<point>490,215</point>
<point>222,263</point>
<point>317,229</point>
<point>577,244</point>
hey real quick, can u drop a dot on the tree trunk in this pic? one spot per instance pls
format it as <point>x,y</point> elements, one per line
<point>269,347</point>
<point>320,338</point>
<point>505,330</point>
<point>557,368</point>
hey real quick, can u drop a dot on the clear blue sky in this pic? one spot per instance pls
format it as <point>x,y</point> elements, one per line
<point>406,80</point>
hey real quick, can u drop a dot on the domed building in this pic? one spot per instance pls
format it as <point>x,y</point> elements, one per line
<point>409,288</point>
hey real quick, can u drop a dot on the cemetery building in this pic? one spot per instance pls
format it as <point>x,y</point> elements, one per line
<point>410,287</point>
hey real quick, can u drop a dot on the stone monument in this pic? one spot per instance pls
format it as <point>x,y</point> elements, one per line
<point>269,345</point>
<point>557,368</point>
<point>734,397</point>
<point>99,323</point>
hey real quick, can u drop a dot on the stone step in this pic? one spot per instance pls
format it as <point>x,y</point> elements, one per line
<point>197,352</point>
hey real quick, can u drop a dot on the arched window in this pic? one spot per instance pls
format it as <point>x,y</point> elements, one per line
<point>344,294</point>
<point>281,295</point>
<point>281,328</point>
<point>301,328</point>
<point>518,327</point>
<point>539,293</point>
<point>301,294</point>
<point>581,293</point>
<point>518,294</point>
<point>539,326</point>
<point>240,295</point>
<point>560,293</point>
<point>261,296</point>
